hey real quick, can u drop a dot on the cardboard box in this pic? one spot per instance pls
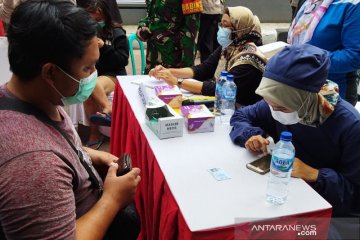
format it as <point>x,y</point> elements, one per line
<point>198,118</point>
<point>170,94</point>
<point>164,127</point>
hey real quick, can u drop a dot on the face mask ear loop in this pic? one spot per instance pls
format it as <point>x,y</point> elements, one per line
<point>68,74</point>
<point>57,90</point>
<point>53,84</point>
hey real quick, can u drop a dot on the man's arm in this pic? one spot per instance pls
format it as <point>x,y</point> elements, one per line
<point>36,197</point>
<point>118,193</point>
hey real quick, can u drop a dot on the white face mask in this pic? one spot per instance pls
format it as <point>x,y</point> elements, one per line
<point>285,118</point>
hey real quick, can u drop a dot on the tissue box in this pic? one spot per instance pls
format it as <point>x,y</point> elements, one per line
<point>170,94</point>
<point>198,118</point>
<point>167,127</point>
<point>164,121</point>
<point>163,127</point>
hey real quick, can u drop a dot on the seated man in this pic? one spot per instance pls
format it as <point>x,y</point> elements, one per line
<point>326,129</point>
<point>49,188</point>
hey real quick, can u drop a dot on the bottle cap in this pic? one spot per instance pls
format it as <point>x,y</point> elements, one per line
<point>230,77</point>
<point>286,136</point>
<point>224,73</point>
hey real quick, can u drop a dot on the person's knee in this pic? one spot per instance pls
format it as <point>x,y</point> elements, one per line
<point>107,83</point>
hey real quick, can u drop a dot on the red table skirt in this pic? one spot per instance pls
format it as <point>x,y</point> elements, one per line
<point>159,213</point>
<point>2,31</point>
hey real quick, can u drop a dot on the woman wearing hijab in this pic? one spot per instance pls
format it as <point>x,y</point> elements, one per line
<point>326,129</point>
<point>333,25</point>
<point>239,35</point>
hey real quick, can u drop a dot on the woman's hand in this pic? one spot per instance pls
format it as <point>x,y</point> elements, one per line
<point>304,171</point>
<point>257,144</point>
<point>161,73</point>
<point>167,76</point>
<point>154,72</point>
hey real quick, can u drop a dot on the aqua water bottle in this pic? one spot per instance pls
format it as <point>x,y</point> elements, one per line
<point>218,92</point>
<point>280,169</point>
<point>228,99</point>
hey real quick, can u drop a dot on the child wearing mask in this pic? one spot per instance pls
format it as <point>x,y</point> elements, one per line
<point>114,54</point>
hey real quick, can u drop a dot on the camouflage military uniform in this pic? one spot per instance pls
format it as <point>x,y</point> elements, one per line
<point>172,43</point>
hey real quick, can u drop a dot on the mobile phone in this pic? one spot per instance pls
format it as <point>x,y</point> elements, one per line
<point>125,164</point>
<point>260,165</point>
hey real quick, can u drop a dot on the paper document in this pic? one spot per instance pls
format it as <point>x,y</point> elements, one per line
<point>149,82</point>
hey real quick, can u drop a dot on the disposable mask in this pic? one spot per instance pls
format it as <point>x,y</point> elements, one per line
<point>223,37</point>
<point>285,118</point>
<point>101,24</point>
<point>86,87</point>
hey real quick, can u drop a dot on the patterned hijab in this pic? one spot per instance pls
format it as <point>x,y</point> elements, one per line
<point>312,108</point>
<point>246,28</point>
<point>306,20</point>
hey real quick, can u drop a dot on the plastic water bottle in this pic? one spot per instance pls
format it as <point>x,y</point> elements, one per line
<point>218,92</point>
<point>280,169</point>
<point>228,99</point>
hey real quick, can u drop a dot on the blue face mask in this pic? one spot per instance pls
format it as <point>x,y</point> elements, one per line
<point>223,37</point>
<point>86,87</point>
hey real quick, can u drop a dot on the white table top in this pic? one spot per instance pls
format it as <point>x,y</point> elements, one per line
<point>204,202</point>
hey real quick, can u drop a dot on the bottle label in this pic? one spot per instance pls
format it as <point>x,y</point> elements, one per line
<point>229,93</point>
<point>281,163</point>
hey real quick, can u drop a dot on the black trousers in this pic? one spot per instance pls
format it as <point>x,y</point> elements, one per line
<point>207,40</point>
<point>125,226</point>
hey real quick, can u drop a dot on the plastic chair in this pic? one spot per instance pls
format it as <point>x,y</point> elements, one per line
<point>133,37</point>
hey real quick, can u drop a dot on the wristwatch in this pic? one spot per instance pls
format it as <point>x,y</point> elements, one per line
<point>179,81</point>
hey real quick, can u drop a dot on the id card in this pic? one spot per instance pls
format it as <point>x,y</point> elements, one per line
<point>219,174</point>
